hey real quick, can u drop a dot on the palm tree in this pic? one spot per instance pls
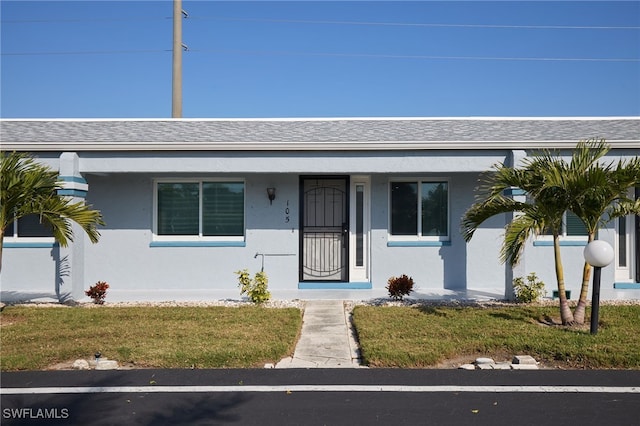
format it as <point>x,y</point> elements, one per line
<point>599,195</point>
<point>543,211</point>
<point>596,193</point>
<point>28,187</point>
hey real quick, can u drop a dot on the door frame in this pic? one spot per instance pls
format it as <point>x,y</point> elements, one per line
<point>360,273</point>
<point>629,271</point>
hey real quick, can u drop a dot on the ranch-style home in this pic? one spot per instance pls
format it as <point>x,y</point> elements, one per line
<point>329,208</point>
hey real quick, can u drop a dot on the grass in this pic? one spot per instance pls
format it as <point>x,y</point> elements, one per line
<point>34,338</point>
<point>418,337</point>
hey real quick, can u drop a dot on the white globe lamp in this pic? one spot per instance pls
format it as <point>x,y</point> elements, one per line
<point>598,253</point>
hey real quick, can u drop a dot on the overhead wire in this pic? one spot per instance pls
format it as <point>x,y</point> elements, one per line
<point>421,24</point>
<point>327,54</point>
<point>332,22</point>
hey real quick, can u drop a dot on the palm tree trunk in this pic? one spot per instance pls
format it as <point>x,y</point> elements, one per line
<point>579,313</point>
<point>565,312</point>
<point>1,244</point>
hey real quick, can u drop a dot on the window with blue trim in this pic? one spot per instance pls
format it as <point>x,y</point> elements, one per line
<point>205,210</point>
<point>29,226</point>
<point>572,226</point>
<point>419,210</point>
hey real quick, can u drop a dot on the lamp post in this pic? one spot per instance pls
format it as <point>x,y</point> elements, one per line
<point>598,254</point>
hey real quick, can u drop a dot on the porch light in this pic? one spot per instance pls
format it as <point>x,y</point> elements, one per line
<point>598,254</point>
<point>271,193</point>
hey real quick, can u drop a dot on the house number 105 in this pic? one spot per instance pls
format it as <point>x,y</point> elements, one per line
<point>286,213</point>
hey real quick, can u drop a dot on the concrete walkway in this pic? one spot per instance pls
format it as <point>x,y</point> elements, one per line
<point>327,339</point>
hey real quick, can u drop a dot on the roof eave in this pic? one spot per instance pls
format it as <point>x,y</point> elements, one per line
<point>301,146</point>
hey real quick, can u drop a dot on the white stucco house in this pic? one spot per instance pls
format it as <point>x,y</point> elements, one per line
<point>328,207</point>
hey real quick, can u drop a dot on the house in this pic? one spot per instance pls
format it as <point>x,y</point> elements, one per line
<point>327,207</point>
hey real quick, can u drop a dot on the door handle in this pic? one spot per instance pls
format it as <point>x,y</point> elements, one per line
<point>345,234</point>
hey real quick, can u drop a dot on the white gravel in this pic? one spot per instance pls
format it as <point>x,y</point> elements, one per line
<point>473,303</point>
<point>297,303</point>
<point>231,303</point>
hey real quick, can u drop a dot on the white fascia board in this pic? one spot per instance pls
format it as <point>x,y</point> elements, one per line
<point>458,118</point>
<point>303,146</point>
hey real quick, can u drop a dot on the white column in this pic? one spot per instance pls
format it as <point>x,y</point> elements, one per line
<point>514,160</point>
<point>71,280</point>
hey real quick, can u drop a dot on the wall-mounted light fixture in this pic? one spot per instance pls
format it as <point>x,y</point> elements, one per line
<point>271,193</point>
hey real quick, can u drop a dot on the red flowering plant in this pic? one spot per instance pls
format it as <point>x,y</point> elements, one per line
<point>98,292</point>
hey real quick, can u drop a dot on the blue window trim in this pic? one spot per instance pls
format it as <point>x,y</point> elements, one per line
<point>626,286</point>
<point>565,243</point>
<point>418,243</point>
<point>197,244</point>
<point>329,285</point>
<point>17,244</point>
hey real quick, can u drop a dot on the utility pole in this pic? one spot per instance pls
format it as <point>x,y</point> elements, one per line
<point>176,105</point>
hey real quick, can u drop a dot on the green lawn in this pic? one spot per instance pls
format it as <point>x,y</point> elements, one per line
<point>415,337</point>
<point>171,337</point>
<point>35,338</point>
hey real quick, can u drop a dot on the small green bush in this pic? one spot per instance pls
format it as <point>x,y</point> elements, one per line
<point>529,291</point>
<point>256,289</point>
<point>399,287</point>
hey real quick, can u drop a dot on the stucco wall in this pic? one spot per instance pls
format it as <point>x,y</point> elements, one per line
<point>30,273</point>
<point>137,271</point>
<point>125,259</point>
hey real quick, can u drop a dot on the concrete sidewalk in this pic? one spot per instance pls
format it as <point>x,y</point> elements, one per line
<point>327,339</point>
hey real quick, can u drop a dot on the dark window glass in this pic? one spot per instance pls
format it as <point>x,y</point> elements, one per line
<point>404,208</point>
<point>574,225</point>
<point>178,208</point>
<point>434,209</point>
<point>32,226</point>
<point>223,208</point>
<point>359,225</point>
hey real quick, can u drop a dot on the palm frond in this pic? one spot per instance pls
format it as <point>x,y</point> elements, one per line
<point>516,235</point>
<point>28,187</point>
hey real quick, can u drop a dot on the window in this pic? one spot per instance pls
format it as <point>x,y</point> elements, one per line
<point>29,226</point>
<point>200,209</point>
<point>572,226</point>
<point>420,209</point>
<point>359,225</point>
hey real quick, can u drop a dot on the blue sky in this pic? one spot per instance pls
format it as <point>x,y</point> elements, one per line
<point>322,59</point>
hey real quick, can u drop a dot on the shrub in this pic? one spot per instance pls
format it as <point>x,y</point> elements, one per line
<point>399,286</point>
<point>256,289</point>
<point>98,292</point>
<point>529,291</point>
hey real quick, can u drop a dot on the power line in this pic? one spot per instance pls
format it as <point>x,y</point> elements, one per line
<point>424,57</point>
<point>85,52</point>
<point>330,54</point>
<point>81,20</point>
<point>331,22</point>
<point>418,24</point>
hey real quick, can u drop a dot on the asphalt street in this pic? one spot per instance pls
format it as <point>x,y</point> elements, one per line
<point>321,397</point>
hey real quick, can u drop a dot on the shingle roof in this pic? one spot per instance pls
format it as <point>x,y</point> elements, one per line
<point>86,134</point>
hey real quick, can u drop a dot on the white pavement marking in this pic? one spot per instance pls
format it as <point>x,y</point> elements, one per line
<point>319,388</point>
